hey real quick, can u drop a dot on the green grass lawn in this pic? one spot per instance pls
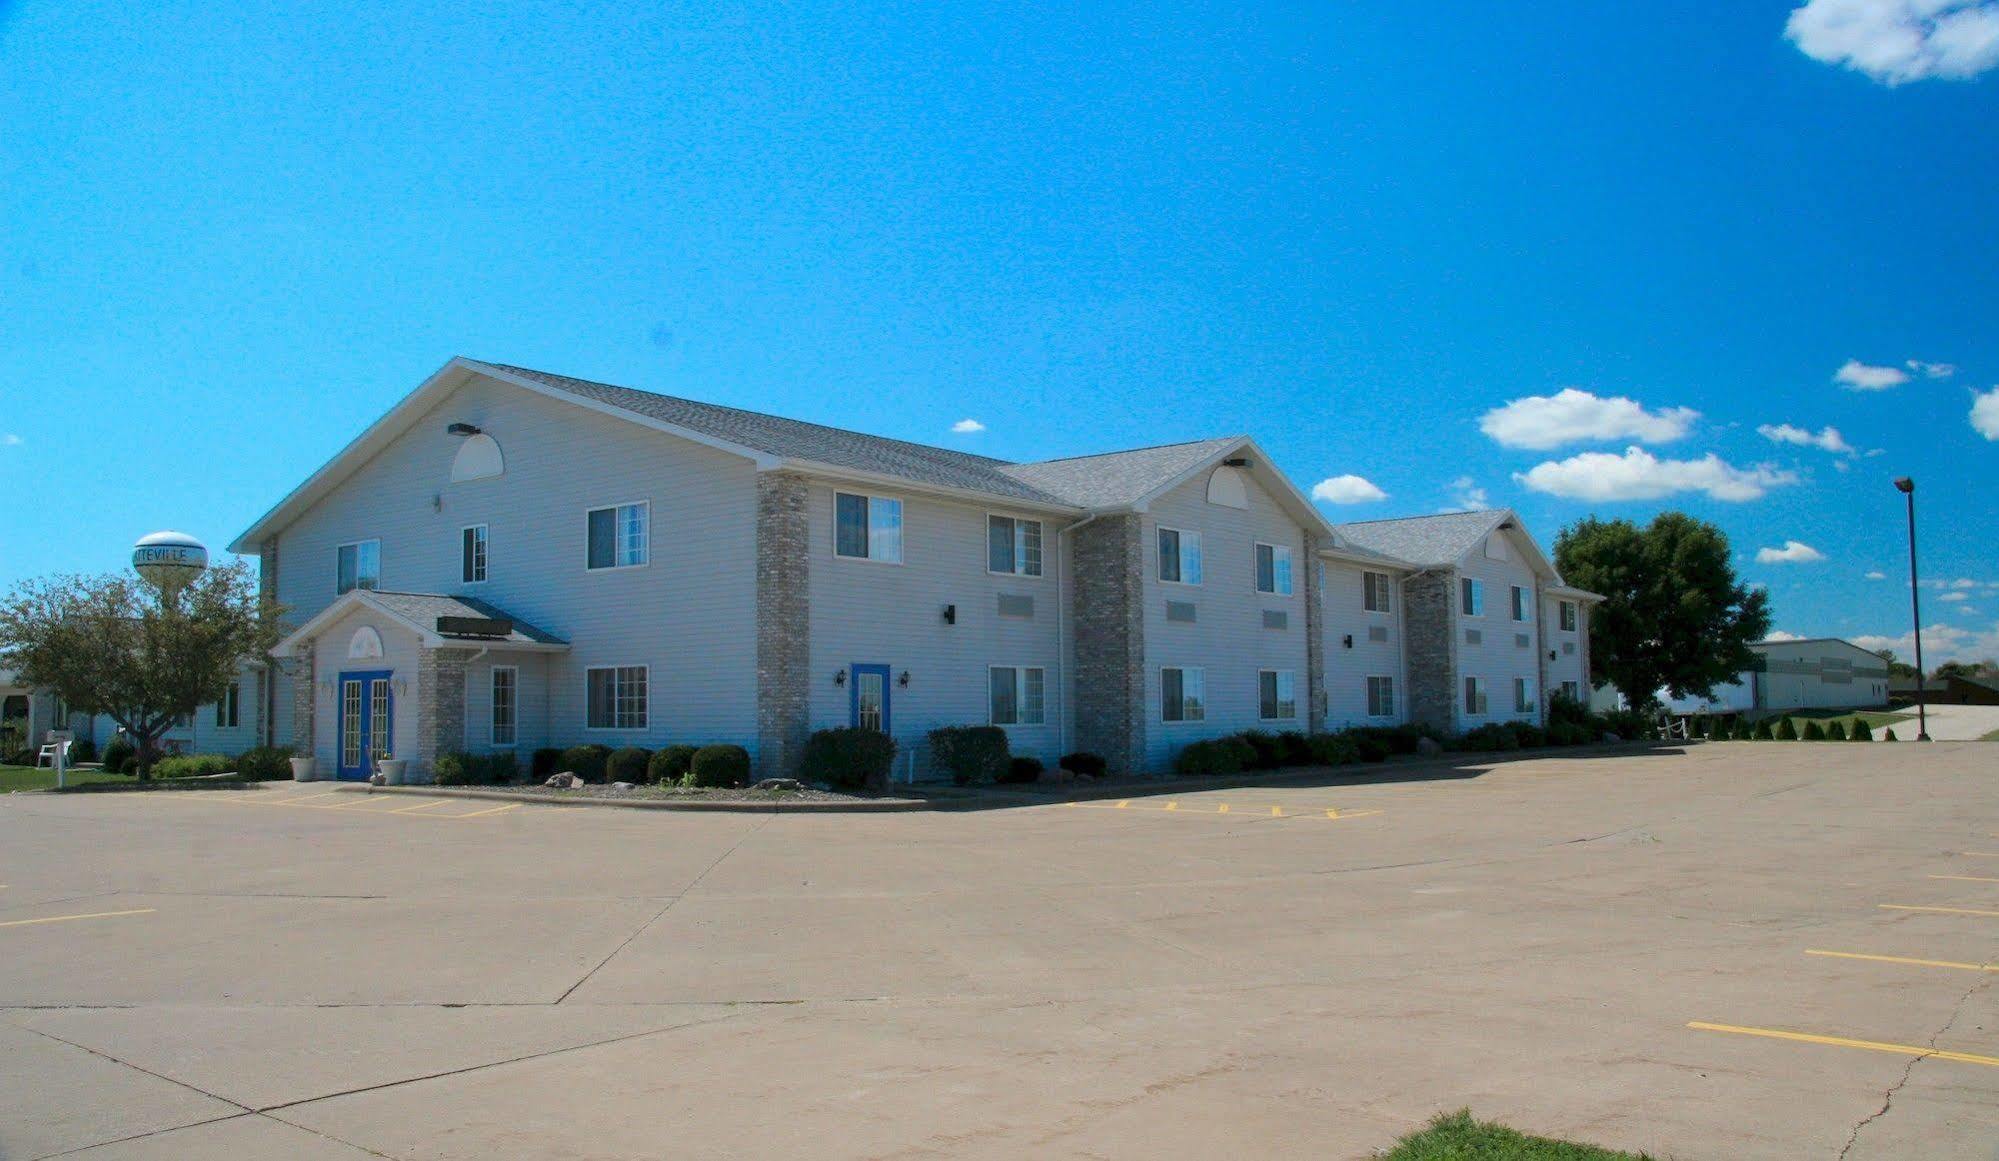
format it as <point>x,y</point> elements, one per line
<point>32,778</point>
<point>1456,1137</point>
<point>1991,737</point>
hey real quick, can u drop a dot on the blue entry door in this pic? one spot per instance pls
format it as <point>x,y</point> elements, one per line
<point>868,699</point>
<point>367,722</point>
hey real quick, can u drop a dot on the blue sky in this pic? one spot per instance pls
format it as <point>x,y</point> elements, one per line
<point>1383,239</point>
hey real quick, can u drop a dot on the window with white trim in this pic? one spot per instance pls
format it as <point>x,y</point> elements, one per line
<point>1381,697</point>
<point>229,707</point>
<point>357,566</point>
<point>1276,695</point>
<point>1523,605</point>
<point>1273,569</point>
<point>1524,696</point>
<point>867,527</point>
<point>1013,545</point>
<point>1475,700</point>
<point>1183,694</point>
<point>472,554</point>
<point>1017,694</point>
<point>1572,690</point>
<point>1179,556</point>
<point>1567,612</point>
<point>1377,592</point>
<point>506,716</point>
<point>619,536</point>
<point>1471,597</point>
<point>615,698</point>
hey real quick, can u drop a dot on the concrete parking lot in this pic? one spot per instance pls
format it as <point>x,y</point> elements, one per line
<point>1736,950</point>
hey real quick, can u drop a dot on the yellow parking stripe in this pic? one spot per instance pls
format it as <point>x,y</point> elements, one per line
<point>1939,910</point>
<point>492,810</point>
<point>1941,963</point>
<point>1843,1042</point>
<point>419,806</point>
<point>1968,878</point>
<point>67,918</point>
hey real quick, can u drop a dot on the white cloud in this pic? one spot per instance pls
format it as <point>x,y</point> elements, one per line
<point>1895,41</point>
<point>10,440</point>
<point>1932,370</point>
<point>1955,596</point>
<point>1966,611</point>
<point>1793,552</point>
<point>1877,574</point>
<point>1941,642</point>
<point>1827,439</point>
<point>1855,375</point>
<point>967,426</point>
<point>1985,413</point>
<point>1571,416</point>
<point>1466,496</point>
<point>1964,582</point>
<point>1347,490</point>
<point>1780,635</point>
<point>1639,475</point>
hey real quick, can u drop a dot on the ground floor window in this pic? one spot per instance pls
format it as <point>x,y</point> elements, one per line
<point>616,698</point>
<point>229,708</point>
<point>1523,695</point>
<point>1017,695</point>
<point>1572,690</point>
<point>506,714</point>
<point>1381,697</point>
<point>1277,695</point>
<point>1475,702</point>
<point>1183,694</point>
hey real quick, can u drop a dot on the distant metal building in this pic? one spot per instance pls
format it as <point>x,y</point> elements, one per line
<point>1808,673</point>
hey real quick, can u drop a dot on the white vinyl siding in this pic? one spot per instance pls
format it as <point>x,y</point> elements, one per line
<point>1277,695</point>
<point>616,697</point>
<point>867,527</point>
<point>1179,556</point>
<point>618,535</point>
<point>357,565</point>
<point>472,554</point>
<point>1018,695</point>
<point>1183,694</point>
<point>1377,592</point>
<point>505,705</point>
<point>1013,546</point>
<point>1273,569</point>
<point>1475,697</point>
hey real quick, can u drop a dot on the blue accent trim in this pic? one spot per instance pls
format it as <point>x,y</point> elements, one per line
<point>854,695</point>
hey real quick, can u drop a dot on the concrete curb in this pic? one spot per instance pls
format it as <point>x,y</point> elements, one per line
<point>861,806</point>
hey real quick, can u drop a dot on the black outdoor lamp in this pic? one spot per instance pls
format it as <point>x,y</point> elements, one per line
<point>1907,486</point>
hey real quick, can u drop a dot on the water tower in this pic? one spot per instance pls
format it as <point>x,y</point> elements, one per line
<point>169,561</point>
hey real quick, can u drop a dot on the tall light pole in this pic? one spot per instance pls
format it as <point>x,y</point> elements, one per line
<point>1907,486</point>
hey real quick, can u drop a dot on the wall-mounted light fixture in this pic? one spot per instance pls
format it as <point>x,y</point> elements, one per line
<point>903,681</point>
<point>1347,640</point>
<point>1551,654</point>
<point>461,430</point>
<point>839,677</point>
<point>950,614</point>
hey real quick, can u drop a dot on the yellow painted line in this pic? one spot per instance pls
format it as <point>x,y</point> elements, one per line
<point>1982,854</point>
<point>1172,806</point>
<point>1940,910</point>
<point>1332,814</point>
<point>1942,963</point>
<point>489,810</point>
<point>1843,1042</point>
<point>421,806</point>
<point>1968,878</point>
<point>1277,812</point>
<point>295,800</point>
<point>67,918</point>
<point>1125,803</point>
<point>1222,809</point>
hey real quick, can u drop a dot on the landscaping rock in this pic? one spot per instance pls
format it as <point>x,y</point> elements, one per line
<point>563,781</point>
<point>624,786</point>
<point>1429,747</point>
<point>779,784</point>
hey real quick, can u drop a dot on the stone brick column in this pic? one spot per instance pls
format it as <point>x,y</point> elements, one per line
<point>1315,637</point>
<point>440,707</point>
<point>1430,623</point>
<point>305,680</point>
<point>784,621</point>
<point>1108,563</point>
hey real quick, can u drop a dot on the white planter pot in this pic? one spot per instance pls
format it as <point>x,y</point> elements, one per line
<point>305,769</point>
<point>394,771</point>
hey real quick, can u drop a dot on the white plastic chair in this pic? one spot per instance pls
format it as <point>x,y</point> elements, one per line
<point>46,756</point>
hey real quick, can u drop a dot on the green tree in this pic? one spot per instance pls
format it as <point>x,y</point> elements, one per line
<point>113,645</point>
<point>1674,616</point>
<point>1896,668</point>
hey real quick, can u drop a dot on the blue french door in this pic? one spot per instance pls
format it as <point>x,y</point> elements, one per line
<point>367,722</point>
<point>868,699</point>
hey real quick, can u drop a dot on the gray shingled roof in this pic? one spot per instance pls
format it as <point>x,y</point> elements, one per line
<point>1115,479</point>
<point>1429,541</point>
<point>425,608</point>
<point>796,439</point>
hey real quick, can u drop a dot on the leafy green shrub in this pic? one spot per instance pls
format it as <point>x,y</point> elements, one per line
<point>1294,748</point>
<point>1334,750</point>
<point>1835,731</point>
<point>1372,743</point>
<point>545,762</point>
<point>1814,732</point>
<point>970,754</point>
<point>1742,731</point>
<point>1264,748</point>
<point>1529,735</point>
<point>1697,726</point>
<point>1762,732</point>
<point>1859,731</point>
<point>719,766</point>
<point>265,764</point>
<point>118,752</point>
<point>1629,724</point>
<point>1492,737</point>
<point>849,757</point>
<point>1568,711</point>
<point>458,768</point>
<point>82,750</point>
<point>1085,763</point>
<point>668,764</point>
<point>1786,732</point>
<point>193,766</point>
<point>586,762</point>
<point>502,767</point>
<point>1888,735</point>
<point>1023,770</point>
<point>627,764</point>
<point>1215,756</point>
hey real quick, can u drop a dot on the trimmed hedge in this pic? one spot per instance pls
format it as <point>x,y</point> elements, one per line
<point>669,764</point>
<point>849,757</point>
<point>1835,731</point>
<point>971,754</point>
<point>1888,735</point>
<point>1492,737</point>
<point>464,768</point>
<point>1023,770</point>
<point>117,752</point>
<point>545,762</point>
<point>1085,763</point>
<point>1529,735</point>
<point>265,764</point>
<point>1763,733</point>
<point>627,764</point>
<point>586,762</point>
<point>718,766</point>
<point>1814,732</point>
<point>1859,732</point>
<point>1743,730</point>
<point>193,766</point>
<point>1215,756</point>
<point>1335,750</point>
<point>1786,732</point>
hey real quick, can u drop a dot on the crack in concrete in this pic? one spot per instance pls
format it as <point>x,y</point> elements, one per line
<point>1888,1098</point>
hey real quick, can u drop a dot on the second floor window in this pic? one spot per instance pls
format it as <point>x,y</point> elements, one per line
<point>619,536</point>
<point>229,708</point>
<point>1568,615</point>
<point>1522,604</point>
<point>1472,594</point>
<point>472,555</point>
<point>1179,556</point>
<point>867,527</point>
<point>1273,569</point>
<point>1013,546</point>
<point>357,566</point>
<point>1376,593</point>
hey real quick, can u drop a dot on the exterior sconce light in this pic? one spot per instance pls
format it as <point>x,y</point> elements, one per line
<point>840,677</point>
<point>950,614</point>
<point>1347,640</point>
<point>1551,654</point>
<point>903,681</point>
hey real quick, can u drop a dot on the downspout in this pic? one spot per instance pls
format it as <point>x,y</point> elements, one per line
<point>1064,711</point>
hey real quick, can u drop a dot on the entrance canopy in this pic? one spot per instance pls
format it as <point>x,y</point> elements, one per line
<point>435,619</point>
